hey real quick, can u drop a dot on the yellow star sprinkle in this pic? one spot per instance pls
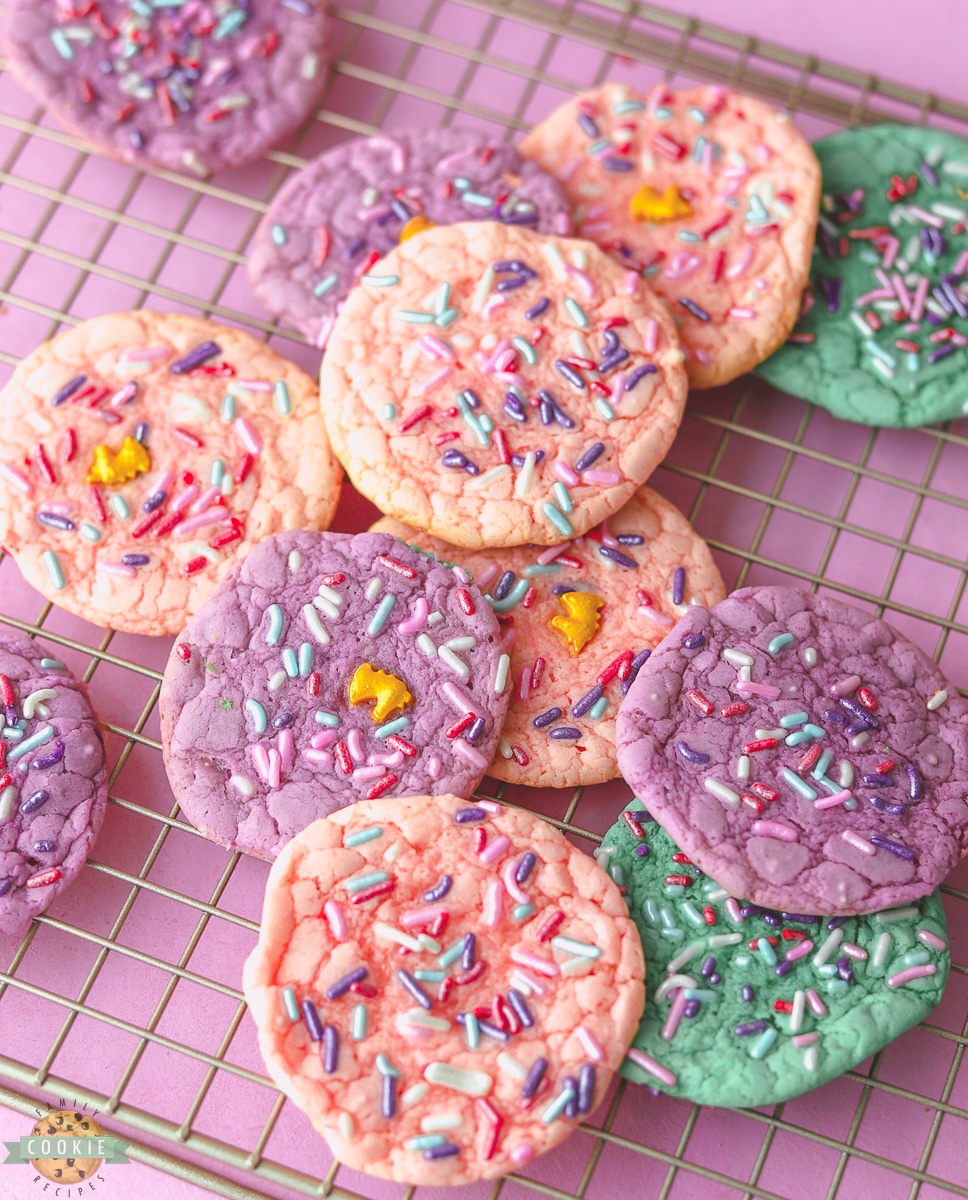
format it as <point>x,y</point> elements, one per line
<point>583,618</point>
<point>659,207</point>
<point>389,692</point>
<point>131,460</point>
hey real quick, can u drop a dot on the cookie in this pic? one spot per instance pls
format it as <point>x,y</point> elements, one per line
<point>749,1006</point>
<point>69,1123</point>
<point>333,220</point>
<point>802,752</point>
<point>884,324</point>
<point>191,88</point>
<point>494,387</point>
<point>583,617</point>
<point>53,780</point>
<point>142,453</point>
<point>443,988</point>
<point>712,195</point>
<point>329,668</point>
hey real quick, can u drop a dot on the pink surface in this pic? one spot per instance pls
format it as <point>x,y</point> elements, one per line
<point>783,492</point>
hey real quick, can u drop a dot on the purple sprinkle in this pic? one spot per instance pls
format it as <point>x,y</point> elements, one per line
<point>55,520</point>
<point>516,218</point>
<point>747,994</point>
<point>875,780</point>
<point>914,781</point>
<point>684,750</point>
<point>835,923</point>
<point>342,986</point>
<point>691,1009</point>
<point>624,560</point>
<point>784,968</point>
<point>282,721</point>
<point>584,704</point>
<point>454,458</point>
<point>64,394</point>
<point>399,209</point>
<point>832,715</point>
<point>593,453</point>
<point>195,358</point>
<point>135,560</point>
<point>708,966</point>
<point>444,1150</point>
<point>613,360</point>
<point>562,589</point>
<point>330,1048</point>
<point>504,585</point>
<point>489,1029</point>
<point>640,373</point>
<point>570,374</point>
<point>616,164</point>
<point>642,851</point>
<point>467,952</point>
<point>11,714</point>
<point>927,173</point>
<point>153,502</point>
<point>472,397</point>
<point>388,1096</point>
<point>521,1010</point>
<point>511,283</point>
<point>354,248</point>
<point>693,641</point>
<point>525,866</point>
<point>477,728</point>
<point>588,125</point>
<point>50,758</point>
<point>884,843</point>
<point>940,352</point>
<point>799,919</point>
<point>885,806</point>
<point>548,717</point>
<point>678,585</point>
<point>313,1023</point>
<point>956,302</point>
<point>565,733</point>
<point>514,409</point>
<point>610,338</point>
<point>694,308</point>
<point>749,1028</point>
<point>414,988</point>
<point>586,1088</point>
<point>136,138</point>
<point>517,460</point>
<point>637,664</point>
<point>831,289</point>
<point>5,886</point>
<point>536,310</point>
<point>44,847</point>
<point>843,969</point>
<point>859,712</point>
<point>439,891</point>
<point>630,539</point>
<point>463,815</point>
<point>141,431</point>
<point>570,1084</point>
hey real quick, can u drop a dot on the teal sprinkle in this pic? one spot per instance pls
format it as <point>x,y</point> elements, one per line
<point>798,784</point>
<point>451,954</point>
<point>521,912</point>
<point>363,835</point>
<point>663,114</point>
<point>798,738</point>
<point>742,960</point>
<point>228,408</point>
<point>384,1066</point>
<point>828,785</point>
<point>605,410</point>
<point>870,256</point>
<point>305,659</point>
<point>525,349</point>
<point>686,235</point>
<point>426,976</point>
<point>11,734</point>
<point>767,951</point>
<point>394,726</point>
<point>558,1105</point>
<point>617,874</point>
<point>513,598</point>
<point>381,614</point>
<point>481,435</point>
<point>792,720</point>
<point>478,199</point>
<point>560,493</point>
<point>447,317</point>
<point>442,299</point>
<point>231,23</point>
<point>257,713</point>
<point>651,910</point>
<point>52,664</point>
<point>61,44</point>
<point>756,212</point>
<point>461,183</point>
<point>915,958</point>
<point>216,473</point>
<point>380,280</point>
<point>281,393</point>
<point>581,949</point>
<point>276,619</point>
<point>289,1004</point>
<point>427,1141</point>
<point>836,986</point>
<point>88,531</point>
<point>699,994</point>
<point>777,644</point>
<point>389,412</point>
<point>120,507</point>
<point>598,709</point>
<point>697,115</point>
<point>359,882</point>
<point>486,423</point>
<point>913,361</point>
<point>698,149</point>
<point>828,969</point>
<point>279,235</point>
<point>598,146</point>
<point>665,912</point>
<point>289,662</point>
<point>52,563</point>
<point>881,353</point>
<point>693,913</point>
<point>815,731</point>
<point>535,569</point>
<point>576,313</point>
<point>762,1045</point>
<point>414,318</point>
<point>627,106</point>
<point>823,762</point>
<point>653,270</point>
<point>330,720</point>
<point>850,803</point>
<point>325,285</point>
<point>672,934</point>
<point>472,1031</point>
<point>359,1022</point>
<point>674,889</point>
<point>31,743</point>
<point>560,522</point>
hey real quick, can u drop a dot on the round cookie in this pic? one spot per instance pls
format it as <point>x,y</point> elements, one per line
<point>748,1006</point>
<point>882,333</point>
<point>833,780</point>
<point>442,988</point>
<point>142,453</point>
<point>332,221</point>
<point>712,195</point>
<point>190,88</point>
<point>494,387</point>
<point>325,669</point>
<point>71,1123</point>
<point>578,618</point>
<point>53,780</point>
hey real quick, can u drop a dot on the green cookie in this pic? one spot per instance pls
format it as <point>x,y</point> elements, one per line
<point>891,263</point>
<point>845,988</point>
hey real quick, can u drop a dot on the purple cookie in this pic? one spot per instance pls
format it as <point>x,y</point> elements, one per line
<point>54,786</point>
<point>801,752</point>
<point>327,669</point>
<point>193,86</point>
<point>333,219</point>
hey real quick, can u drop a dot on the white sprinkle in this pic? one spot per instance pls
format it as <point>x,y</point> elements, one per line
<point>721,791</point>
<point>937,699</point>
<point>882,950</point>
<point>897,914</point>
<point>829,947</point>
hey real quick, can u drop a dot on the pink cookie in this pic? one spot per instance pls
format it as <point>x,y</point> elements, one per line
<point>494,387</point>
<point>583,616</point>
<point>712,195</point>
<point>442,987</point>
<point>143,453</point>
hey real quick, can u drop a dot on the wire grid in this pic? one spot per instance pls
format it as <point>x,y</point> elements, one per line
<point>780,490</point>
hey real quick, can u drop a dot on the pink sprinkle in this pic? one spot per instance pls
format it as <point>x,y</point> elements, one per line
<point>493,906</point>
<point>732,907</point>
<point>817,1006</point>
<point>514,889</point>
<point>459,699</point>
<point>321,740</point>
<point>211,517</point>
<point>565,473</point>
<point>247,436</point>
<point>649,1064</point>
<point>260,757</point>
<point>525,958</point>
<point>256,385</point>
<point>805,1039</point>
<point>470,754</point>
<point>539,989</point>
<point>490,806</point>
<point>413,1033</point>
<point>493,302</point>
<point>187,496</point>
<point>493,850</point>
<point>618,388</point>
<point>682,265</point>
<point>552,552</point>
<point>925,935</point>
<point>590,1043</point>
<point>876,294</point>
<point>845,686</point>
<point>856,952</point>
<point>122,570</point>
<point>602,478</point>
<point>799,950</point>
<point>660,618</point>
<point>920,297</point>
<point>275,768</point>
<point>435,380</point>
<point>354,743</point>
<point>422,916</point>
<point>439,348</point>
<point>524,685</point>
<point>204,500</point>
<point>651,339</point>
<point>832,801</point>
<point>16,479</point>
<point>337,922</point>
<point>742,314</point>
<point>522,1154</point>
<point>586,281</point>
<point>707,159</point>
<point>318,756</point>
<point>488,575</point>
<point>161,484</point>
<point>145,354</point>
<point>287,750</point>
<point>365,773</point>
<point>632,284</point>
<point>859,843</point>
<point>962,264</point>
<point>910,973</point>
<point>417,619</point>
<point>675,1015</point>
<point>434,766</point>
<point>395,759</point>
<point>324,332</point>
<point>766,690</point>
<point>901,292</point>
<point>742,263</point>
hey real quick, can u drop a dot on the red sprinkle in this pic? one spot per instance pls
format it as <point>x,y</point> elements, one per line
<point>243,469</point>
<point>493,1131</point>
<point>439,923</point>
<point>616,667</point>
<point>269,44</point>
<point>362,988</point>
<point>68,445</point>
<point>794,935</point>
<point>705,706</point>
<point>886,767</point>
<point>537,673</point>
<point>43,463</point>
<point>632,822</point>
<point>381,785</point>
<point>444,990</point>
<point>333,580</point>
<point>378,889</point>
<point>752,802</point>
<point>709,915</point>
<point>6,692</point>
<point>772,940</point>
<point>765,793</point>
<point>342,755</point>
<point>679,857</point>
<point>809,760</point>
<point>223,539</point>
<point>479,840</point>
<point>783,1006</point>
<point>5,780</point>
<point>680,880</point>
<point>503,449</point>
<point>395,742</point>
<point>150,520</point>
<point>458,727</point>
<point>498,1015</point>
<point>418,415</point>
<point>476,971</point>
<point>169,523</point>
<point>465,602</point>
<point>615,323</point>
<point>441,439</point>
<point>736,709</point>
<point>529,597</point>
<point>866,697</point>
<point>194,565</point>
<point>519,756</point>
<point>184,651</point>
<point>99,510</point>
<point>186,436</point>
<point>44,878</point>
<point>400,568</point>
<point>769,743</point>
<point>547,927</point>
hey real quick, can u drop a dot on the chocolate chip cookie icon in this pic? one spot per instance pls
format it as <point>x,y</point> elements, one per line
<point>67,1123</point>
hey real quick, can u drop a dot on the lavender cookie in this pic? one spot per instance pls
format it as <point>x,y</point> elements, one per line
<point>327,669</point>
<point>342,212</point>
<point>189,86</point>
<point>53,780</point>
<point>801,752</point>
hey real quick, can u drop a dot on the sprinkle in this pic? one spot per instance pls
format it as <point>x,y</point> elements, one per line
<point>652,1067</point>
<point>777,644</point>
<point>721,791</point>
<point>54,571</point>
<point>570,946</point>
<point>905,976</point>
<point>469,1083</point>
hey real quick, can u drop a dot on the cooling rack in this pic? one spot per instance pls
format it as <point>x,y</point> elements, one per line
<point>126,994</point>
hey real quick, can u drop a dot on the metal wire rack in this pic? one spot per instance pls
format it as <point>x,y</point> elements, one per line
<point>146,950</point>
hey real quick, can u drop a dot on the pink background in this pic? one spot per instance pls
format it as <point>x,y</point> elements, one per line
<point>783,493</point>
